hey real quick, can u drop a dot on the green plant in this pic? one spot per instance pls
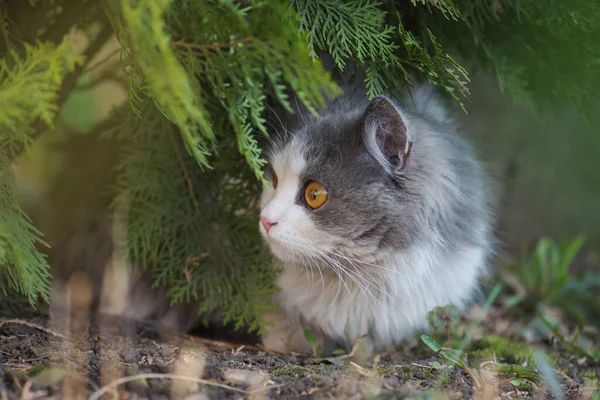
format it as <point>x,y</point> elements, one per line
<point>544,278</point>
<point>311,338</point>
<point>444,317</point>
<point>523,378</point>
<point>572,344</point>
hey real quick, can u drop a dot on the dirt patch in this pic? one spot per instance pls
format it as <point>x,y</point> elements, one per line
<point>89,359</point>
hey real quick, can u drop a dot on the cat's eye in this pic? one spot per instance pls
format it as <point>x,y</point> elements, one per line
<point>275,180</point>
<point>315,195</point>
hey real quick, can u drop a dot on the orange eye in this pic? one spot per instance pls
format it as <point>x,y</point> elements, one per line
<point>275,180</point>
<point>315,195</point>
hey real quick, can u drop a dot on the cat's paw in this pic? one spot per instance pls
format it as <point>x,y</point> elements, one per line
<point>284,336</point>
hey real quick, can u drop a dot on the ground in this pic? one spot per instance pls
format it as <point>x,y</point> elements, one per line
<point>42,359</point>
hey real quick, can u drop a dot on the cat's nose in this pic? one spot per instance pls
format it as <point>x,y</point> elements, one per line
<point>267,223</point>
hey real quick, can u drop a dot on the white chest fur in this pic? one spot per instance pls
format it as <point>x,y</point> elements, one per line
<point>386,309</point>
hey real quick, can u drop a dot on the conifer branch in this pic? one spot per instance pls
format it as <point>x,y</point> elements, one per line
<point>195,46</point>
<point>70,80</point>
<point>181,164</point>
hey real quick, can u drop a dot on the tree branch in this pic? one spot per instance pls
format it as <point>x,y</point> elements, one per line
<point>39,126</point>
<point>69,82</point>
<point>181,164</point>
<point>194,46</point>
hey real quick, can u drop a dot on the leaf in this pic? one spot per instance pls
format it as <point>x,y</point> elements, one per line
<point>455,357</point>
<point>435,364</point>
<point>441,317</point>
<point>521,383</point>
<point>338,352</point>
<point>310,337</point>
<point>519,371</point>
<point>431,343</point>
<point>571,251</point>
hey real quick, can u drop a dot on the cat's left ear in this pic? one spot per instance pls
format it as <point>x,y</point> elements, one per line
<point>385,134</point>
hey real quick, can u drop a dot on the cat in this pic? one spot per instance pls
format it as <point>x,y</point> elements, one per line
<point>377,212</point>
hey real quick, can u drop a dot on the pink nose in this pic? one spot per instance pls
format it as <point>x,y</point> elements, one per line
<point>267,223</point>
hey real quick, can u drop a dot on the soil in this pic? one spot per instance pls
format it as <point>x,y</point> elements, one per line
<point>41,359</point>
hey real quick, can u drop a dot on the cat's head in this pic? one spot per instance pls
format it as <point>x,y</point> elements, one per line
<point>355,182</point>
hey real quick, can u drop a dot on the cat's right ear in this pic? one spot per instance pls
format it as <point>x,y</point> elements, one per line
<point>385,134</point>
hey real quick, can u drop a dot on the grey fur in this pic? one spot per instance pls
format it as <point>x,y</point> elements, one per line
<point>373,208</point>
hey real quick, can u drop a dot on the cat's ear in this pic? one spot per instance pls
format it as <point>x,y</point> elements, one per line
<point>385,134</point>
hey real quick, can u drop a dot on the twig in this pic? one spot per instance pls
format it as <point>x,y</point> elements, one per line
<point>359,369</point>
<point>98,394</point>
<point>354,348</point>
<point>26,390</point>
<point>182,164</point>
<point>375,364</point>
<point>109,16</point>
<point>422,366</point>
<point>3,394</point>
<point>104,60</point>
<point>30,325</point>
<point>351,354</point>
<point>194,46</point>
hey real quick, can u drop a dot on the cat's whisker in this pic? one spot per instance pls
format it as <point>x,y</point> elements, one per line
<point>322,277</point>
<point>374,282</point>
<point>337,271</point>
<point>354,277</point>
<point>299,110</point>
<point>372,265</point>
<point>356,267</point>
<point>312,272</point>
<point>278,118</point>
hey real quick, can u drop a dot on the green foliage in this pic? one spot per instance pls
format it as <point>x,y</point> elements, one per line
<point>40,70</point>
<point>444,317</point>
<point>440,68</point>
<point>542,53</point>
<point>448,8</point>
<point>356,30</point>
<point>502,348</point>
<point>196,229</point>
<point>454,357</point>
<point>572,344</point>
<point>544,279</point>
<point>239,60</point>
<point>519,372</point>
<point>158,71</point>
<point>311,338</point>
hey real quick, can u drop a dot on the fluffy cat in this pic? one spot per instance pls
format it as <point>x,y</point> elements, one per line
<point>377,213</point>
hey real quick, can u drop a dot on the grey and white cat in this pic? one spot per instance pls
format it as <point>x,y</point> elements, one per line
<point>377,213</point>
